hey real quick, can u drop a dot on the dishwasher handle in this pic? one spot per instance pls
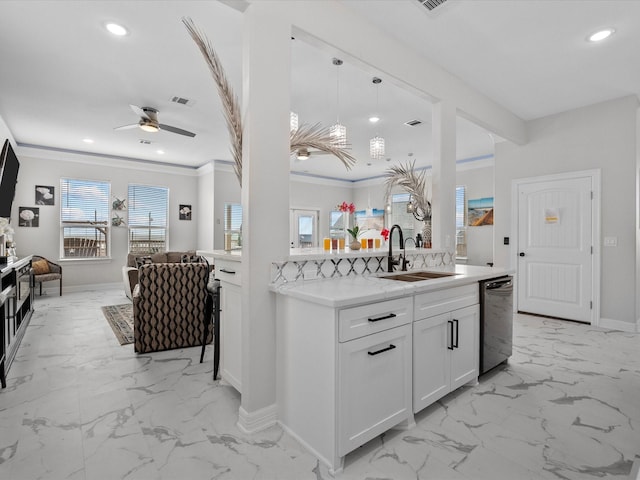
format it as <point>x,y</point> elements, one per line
<point>499,284</point>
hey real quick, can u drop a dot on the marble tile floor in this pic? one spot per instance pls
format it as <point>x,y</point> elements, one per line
<point>80,406</point>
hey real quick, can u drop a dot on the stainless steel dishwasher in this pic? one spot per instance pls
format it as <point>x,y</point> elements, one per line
<point>496,321</point>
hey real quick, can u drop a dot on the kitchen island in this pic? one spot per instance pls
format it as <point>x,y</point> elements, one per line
<point>360,354</point>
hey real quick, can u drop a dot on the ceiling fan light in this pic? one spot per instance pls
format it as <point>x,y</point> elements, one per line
<point>149,127</point>
<point>303,154</point>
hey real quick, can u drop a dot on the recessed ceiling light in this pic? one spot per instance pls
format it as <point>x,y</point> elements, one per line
<point>601,35</point>
<point>160,152</point>
<point>374,119</point>
<point>87,140</point>
<point>116,29</point>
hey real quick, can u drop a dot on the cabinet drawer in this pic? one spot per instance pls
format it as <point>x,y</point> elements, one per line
<point>357,322</point>
<point>228,271</point>
<point>433,303</point>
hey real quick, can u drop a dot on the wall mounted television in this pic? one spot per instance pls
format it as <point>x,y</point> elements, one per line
<point>9,166</point>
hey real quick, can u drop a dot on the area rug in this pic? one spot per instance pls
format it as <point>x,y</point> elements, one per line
<point>120,317</point>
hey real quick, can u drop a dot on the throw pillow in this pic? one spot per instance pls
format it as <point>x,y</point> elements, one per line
<point>142,261</point>
<point>40,267</point>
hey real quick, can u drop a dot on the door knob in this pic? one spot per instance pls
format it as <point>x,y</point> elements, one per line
<point>522,254</point>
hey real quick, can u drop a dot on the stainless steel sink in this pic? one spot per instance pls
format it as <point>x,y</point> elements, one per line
<point>417,276</point>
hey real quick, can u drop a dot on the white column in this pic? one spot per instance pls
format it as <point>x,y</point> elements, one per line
<point>444,176</point>
<point>265,202</point>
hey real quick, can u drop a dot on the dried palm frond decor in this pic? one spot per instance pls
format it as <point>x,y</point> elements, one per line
<point>319,138</point>
<point>414,183</point>
<point>230,106</point>
<point>304,137</point>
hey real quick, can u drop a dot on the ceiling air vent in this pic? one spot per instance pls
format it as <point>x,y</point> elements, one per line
<point>413,123</point>
<point>431,5</point>
<point>145,142</point>
<point>182,101</point>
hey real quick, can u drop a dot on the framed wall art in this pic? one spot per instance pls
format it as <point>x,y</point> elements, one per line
<point>45,195</point>
<point>185,212</point>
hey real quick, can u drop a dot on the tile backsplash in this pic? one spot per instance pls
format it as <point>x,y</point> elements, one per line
<point>336,266</point>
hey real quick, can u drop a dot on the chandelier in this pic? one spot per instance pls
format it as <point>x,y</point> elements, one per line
<point>376,144</point>
<point>338,132</point>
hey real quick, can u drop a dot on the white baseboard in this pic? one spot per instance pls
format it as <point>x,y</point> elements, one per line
<point>54,288</point>
<point>612,324</point>
<point>259,420</point>
<point>332,470</point>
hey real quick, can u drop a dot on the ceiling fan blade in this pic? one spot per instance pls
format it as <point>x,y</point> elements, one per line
<point>126,127</point>
<point>139,111</point>
<point>177,130</point>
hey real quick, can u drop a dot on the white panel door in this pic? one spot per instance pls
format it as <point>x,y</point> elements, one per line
<point>555,248</point>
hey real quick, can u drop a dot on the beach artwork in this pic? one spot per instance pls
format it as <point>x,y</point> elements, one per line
<point>480,212</point>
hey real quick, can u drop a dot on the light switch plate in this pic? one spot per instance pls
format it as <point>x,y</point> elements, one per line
<point>610,241</point>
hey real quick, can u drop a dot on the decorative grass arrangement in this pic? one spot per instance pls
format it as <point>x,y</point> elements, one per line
<point>414,184</point>
<point>307,136</point>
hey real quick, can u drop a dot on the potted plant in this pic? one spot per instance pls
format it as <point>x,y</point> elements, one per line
<point>354,232</point>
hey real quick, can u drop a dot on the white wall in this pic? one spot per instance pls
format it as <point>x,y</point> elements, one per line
<point>204,215</point>
<point>479,184</point>
<point>598,136</point>
<point>41,167</point>
<point>319,195</point>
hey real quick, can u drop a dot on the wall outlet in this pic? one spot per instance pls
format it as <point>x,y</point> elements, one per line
<point>506,240</point>
<point>610,241</point>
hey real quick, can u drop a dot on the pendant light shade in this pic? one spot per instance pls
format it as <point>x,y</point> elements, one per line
<point>376,144</point>
<point>338,132</point>
<point>376,148</point>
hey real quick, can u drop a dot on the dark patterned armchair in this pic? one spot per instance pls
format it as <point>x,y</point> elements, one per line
<point>170,306</point>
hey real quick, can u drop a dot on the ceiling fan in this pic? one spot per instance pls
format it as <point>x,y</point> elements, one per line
<point>305,153</point>
<point>149,122</point>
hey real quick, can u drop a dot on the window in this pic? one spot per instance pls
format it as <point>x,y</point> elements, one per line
<point>461,221</point>
<point>148,207</point>
<point>402,217</point>
<point>84,218</point>
<point>232,226</point>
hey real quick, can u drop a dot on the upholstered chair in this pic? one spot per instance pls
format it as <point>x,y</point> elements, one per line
<point>170,306</point>
<point>45,270</point>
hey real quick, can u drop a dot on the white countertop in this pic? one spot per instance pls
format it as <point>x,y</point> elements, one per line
<point>358,289</point>
<point>233,255</point>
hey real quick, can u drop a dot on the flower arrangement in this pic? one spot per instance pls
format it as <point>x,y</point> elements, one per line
<point>385,234</point>
<point>346,207</point>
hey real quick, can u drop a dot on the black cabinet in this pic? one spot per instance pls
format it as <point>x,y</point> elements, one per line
<point>16,307</point>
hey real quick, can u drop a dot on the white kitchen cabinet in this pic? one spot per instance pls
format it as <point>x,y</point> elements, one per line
<point>445,343</point>
<point>228,272</point>
<point>344,375</point>
<point>375,386</point>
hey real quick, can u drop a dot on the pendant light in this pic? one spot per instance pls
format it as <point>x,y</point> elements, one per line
<point>376,144</point>
<point>338,132</point>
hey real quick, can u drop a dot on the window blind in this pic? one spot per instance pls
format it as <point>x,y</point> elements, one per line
<point>84,218</point>
<point>148,218</point>
<point>232,225</point>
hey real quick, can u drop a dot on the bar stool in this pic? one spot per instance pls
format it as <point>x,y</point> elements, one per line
<point>213,312</point>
